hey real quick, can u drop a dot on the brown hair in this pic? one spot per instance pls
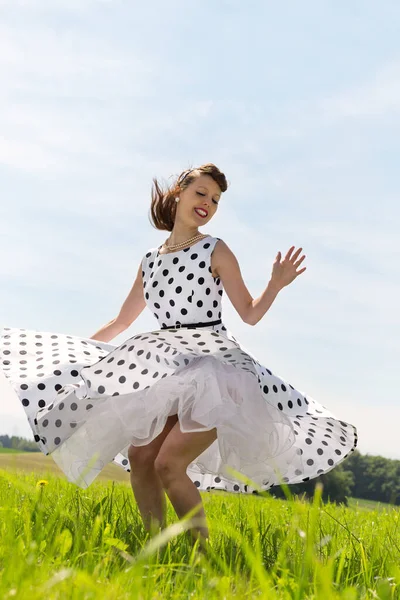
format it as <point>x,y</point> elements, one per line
<point>163,205</point>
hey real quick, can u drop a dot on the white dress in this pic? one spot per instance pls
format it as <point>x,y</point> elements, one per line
<point>87,401</point>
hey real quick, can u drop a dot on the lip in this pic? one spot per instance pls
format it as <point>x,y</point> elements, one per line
<point>201,208</point>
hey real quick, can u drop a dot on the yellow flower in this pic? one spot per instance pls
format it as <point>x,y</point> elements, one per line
<point>42,483</point>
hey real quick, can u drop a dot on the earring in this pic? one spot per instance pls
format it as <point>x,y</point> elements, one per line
<point>176,199</point>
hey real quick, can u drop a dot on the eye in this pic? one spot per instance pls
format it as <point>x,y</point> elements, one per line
<point>200,194</point>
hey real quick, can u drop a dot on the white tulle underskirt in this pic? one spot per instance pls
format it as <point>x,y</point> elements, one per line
<point>253,437</point>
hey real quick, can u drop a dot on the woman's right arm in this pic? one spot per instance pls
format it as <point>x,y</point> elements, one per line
<point>130,310</point>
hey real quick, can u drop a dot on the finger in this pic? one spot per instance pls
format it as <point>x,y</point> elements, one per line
<point>296,264</point>
<point>278,256</point>
<point>302,271</point>
<point>289,253</point>
<point>296,254</point>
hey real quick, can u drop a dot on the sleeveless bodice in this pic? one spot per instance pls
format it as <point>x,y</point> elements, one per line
<point>179,286</point>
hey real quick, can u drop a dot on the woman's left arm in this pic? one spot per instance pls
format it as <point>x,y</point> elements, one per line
<point>252,310</point>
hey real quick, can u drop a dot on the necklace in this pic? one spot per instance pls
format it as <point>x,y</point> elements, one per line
<point>199,236</point>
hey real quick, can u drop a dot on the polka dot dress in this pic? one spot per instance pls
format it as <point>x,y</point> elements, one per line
<point>87,401</point>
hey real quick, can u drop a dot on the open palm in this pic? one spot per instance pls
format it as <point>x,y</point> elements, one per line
<point>285,271</point>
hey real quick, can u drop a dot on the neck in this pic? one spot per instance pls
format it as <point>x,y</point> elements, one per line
<point>181,233</point>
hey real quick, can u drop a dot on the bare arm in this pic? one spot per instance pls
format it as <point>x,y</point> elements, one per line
<point>252,310</point>
<point>227,267</point>
<point>263,303</point>
<point>130,310</point>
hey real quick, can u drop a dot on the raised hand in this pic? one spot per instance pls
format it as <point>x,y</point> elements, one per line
<point>285,271</point>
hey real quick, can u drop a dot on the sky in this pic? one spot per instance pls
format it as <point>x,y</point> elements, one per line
<point>299,105</point>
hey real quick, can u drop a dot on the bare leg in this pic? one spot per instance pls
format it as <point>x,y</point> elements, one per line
<point>176,453</point>
<point>146,484</point>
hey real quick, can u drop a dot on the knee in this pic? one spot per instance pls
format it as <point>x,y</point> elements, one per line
<point>167,468</point>
<point>141,458</point>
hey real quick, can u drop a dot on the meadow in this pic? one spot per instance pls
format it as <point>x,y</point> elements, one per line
<point>59,541</point>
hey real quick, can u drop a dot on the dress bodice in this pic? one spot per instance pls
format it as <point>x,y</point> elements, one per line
<point>179,286</point>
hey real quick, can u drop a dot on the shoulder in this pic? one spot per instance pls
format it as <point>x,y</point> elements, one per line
<point>221,247</point>
<point>223,256</point>
<point>149,255</point>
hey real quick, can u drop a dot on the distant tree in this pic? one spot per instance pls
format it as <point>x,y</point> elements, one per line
<point>337,486</point>
<point>375,477</point>
<point>5,441</point>
<point>361,476</point>
<point>18,443</point>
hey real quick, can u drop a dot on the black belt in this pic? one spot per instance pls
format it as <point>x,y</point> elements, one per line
<point>192,325</point>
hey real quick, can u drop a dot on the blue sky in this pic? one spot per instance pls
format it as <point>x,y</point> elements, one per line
<point>298,103</point>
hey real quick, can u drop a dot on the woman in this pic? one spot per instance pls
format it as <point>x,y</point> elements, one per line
<point>184,407</point>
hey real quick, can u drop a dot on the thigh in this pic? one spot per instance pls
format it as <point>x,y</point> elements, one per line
<point>180,449</point>
<point>150,451</point>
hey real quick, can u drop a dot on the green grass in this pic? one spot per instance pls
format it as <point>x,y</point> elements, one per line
<point>36,462</point>
<point>58,541</point>
<point>9,450</point>
<point>361,504</point>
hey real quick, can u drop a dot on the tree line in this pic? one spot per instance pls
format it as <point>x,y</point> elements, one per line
<point>360,475</point>
<point>18,443</point>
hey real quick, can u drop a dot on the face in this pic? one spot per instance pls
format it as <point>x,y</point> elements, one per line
<point>203,193</point>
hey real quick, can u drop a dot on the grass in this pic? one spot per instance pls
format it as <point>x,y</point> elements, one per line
<point>9,450</point>
<point>58,541</point>
<point>42,465</point>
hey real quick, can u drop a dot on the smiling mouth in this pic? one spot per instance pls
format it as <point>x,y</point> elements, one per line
<point>201,212</point>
